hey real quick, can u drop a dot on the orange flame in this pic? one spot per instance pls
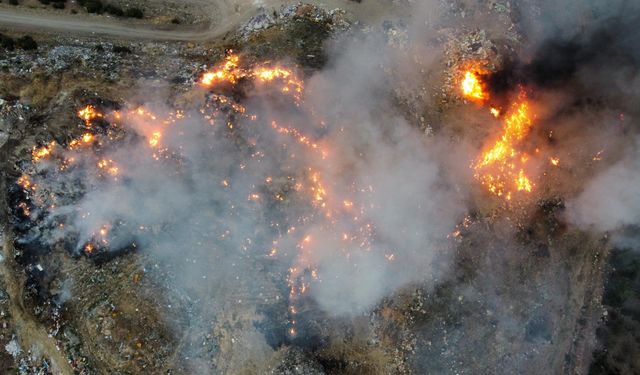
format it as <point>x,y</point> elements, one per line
<point>38,153</point>
<point>89,113</point>
<point>230,71</point>
<point>496,168</point>
<point>472,87</point>
<point>155,139</point>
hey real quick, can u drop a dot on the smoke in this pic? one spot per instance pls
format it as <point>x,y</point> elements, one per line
<point>588,55</point>
<point>579,65</point>
<point>229,198</point>
<point>611,199</point>
<point>409,202</point>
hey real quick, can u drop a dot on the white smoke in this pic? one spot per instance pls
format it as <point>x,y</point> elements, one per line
<point>611,199</point>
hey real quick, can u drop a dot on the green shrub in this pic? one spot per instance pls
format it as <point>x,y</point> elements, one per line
<point>7,43</point>
<point>134,13</point>
<point>93,6</point>
<point>26,42</point>
<point>113,10</point>
<point>121,49</point>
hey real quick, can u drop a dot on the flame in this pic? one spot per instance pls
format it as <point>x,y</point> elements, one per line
<point>497,167</point>
<point>88,248</point>
<point>108,166</point>
<point>155,139</point>
<point>38,153</point>
<point>25,182</point>
<point>25,209</point>
<point>472,87</point>
<point>522,182</point>
<point>89,113</point>
<point>327,203</point>
<point>228,72</point>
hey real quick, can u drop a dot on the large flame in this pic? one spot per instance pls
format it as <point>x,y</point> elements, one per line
<point>231,72</point>
<point>501,166</point>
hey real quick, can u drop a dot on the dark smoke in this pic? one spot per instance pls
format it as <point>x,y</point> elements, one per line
<point>598,60</point>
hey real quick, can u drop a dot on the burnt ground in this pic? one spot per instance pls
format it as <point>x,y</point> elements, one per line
<point>617,335</point>
<point>526,306</point>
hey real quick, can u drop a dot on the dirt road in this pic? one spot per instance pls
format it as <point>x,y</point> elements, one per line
<point>226,15</point>
<point>101,26</point>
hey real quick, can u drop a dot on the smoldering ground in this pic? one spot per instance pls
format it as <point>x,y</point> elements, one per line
<point>235,211</point>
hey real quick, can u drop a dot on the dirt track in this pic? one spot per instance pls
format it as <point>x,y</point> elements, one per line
<point>95,25</point>
<point>226,15</point>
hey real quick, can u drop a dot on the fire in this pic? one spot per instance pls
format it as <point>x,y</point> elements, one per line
<point>501,167</point>
<point>231,72</point>
<point>522,182</point>
<point>327,204</point>
<point>88,248</point>
<point>88,114</point>
<point>265,74</point>
<point>228,72</point>
<point>38,153</point>
<point>155,139</point>
<point>108,166</point>
<point>25,209</point>
<point>25,182</point>
<point>472,87</point>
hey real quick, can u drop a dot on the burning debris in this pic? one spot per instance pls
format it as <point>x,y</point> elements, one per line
<point>274,171</point>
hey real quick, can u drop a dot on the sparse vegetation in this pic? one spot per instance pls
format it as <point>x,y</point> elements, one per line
<point>58,4</point>
<point>121,49</point>
<point>6,42</point>
<point>96,6</point>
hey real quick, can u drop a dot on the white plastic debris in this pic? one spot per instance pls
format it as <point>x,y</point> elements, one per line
<point>13,348</point>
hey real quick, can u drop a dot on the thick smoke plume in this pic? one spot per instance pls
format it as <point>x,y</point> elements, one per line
<point>611,200</point>
<point>586,58</point>
<point>332,183</point>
